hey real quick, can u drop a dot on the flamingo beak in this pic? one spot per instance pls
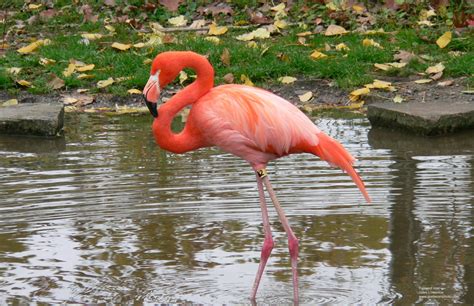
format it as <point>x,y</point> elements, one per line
<point>151,94</point>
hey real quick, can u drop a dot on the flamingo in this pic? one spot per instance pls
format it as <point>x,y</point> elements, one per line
<point>249,122</point>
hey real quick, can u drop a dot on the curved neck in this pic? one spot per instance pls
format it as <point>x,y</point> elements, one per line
<point>189,138</point>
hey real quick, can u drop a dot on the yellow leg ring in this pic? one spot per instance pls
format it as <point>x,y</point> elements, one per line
<point>262,173</point>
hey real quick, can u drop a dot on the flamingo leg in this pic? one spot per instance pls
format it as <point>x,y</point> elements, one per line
<point>268,242</point>
<point>292,240</point>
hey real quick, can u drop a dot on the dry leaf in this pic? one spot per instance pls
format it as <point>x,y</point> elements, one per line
<point>398,99</point>
<point>33,46</point>
<point>139,45</point>
<point>397,65</point>
<point>378,84</point>
<point>105,83</point>
<point>287,79</point>
<point>436,76</point>
<point>92,36</point>
<point>14,70</point>
<point>252,44</point>
<point>110,28</point>
<point>69,70</point>
<point>183,76</point>
<point>215,30</point>
<point>70,100</point>
<point>279,10</point>
<point>10,102</point>
<point>306,96</point>
<point>121,47</point>
<point>446,83</point>
<point>359,92</point>
<point>33,6</point>
<point>246,80</point>
<point>228,78</point>
<point>335,30</point>
<point>342,47</point>
<point>444,39</point>
<point>302,34</point>
<point>404,56</point>
<point>317,55</point>
<point>197,24</point>
<point>179,21</point>
<point>213,39</point>
<point>260,33</point>
<point>423,81</point>
<point>371,43</point>
<point>435,69</point>
<point>24,83</point>
<point>383,67</point>
<point>83,76</point>
<point>46,61</point>
<point>425,23</point>
<point>134,91</point>
<point>55,82</point>
<point>85,68</point>
<point>281,24</point>
<point>225,57</point>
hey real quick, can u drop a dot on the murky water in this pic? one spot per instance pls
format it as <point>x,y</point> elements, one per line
<point>103,215</point>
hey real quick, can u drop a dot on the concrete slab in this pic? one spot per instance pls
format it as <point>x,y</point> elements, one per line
<point>39,119</point>
<point>423,118</point>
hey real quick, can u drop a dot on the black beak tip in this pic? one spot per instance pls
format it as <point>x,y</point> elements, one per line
<point>152,107</point>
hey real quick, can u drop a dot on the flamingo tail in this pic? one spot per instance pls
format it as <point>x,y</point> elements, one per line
<point>334,153</point>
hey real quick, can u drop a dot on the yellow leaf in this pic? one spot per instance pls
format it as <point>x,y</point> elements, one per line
<point>9,102</point>
<point>335,30</point>
<point>179,21</point>
<point>397,64</point>
<point>213,39</point>
<point>444,39</point>
<point>33,46</point>
<point>287,79</point>
<point>318,55</point>
<point>215,30</point>
<point>183,76</point>
<point>306,96</point>
<point>279,10</point>
<point>154,40</point>
<point>83,76</point>
<point>105,83</point>
<point>70,100</point>
<point>383,67</point>
<point>33,6</point>
<point>371,43</point>
<point>435,69</point>
<point>373,32</point>
<point>425,23</point>
<point>302,34</point>
<point>281,24</point>
<point>358,8</point>
<point>110,28</point>
<point>342,47</point>
<point>92,36</point>
<point>134,91</point>
<point>398,99</point>
<point>360,92</point>
<point>139,45</point>
<point>260,33</point>
<point>69,70</point>
<point>14,70</point>
<point>252,44</point>
<point>423,81</point>
<point>46,61</point>
<point>381,84</point>
<point>85,68</point>
<point>120,46</point>
<point>197,24</point>
<point>246,80</point>
<point>24,83</point>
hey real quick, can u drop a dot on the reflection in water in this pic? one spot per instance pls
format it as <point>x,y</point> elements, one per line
<point>103,215</point>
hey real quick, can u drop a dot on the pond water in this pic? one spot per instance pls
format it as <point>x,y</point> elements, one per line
<point>103,215</point>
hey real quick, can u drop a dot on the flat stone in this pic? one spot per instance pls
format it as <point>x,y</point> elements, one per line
<point>423,118</point>
<point>39,119</point>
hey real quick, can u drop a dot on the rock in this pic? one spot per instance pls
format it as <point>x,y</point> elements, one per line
<point>423,118</point>
<point>40,119</point>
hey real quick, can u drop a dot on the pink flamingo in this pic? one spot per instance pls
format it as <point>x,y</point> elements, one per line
<point>248,122</point>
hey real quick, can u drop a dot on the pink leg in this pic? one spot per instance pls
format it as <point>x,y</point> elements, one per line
<point>268,242</point>
<point>292,241</point>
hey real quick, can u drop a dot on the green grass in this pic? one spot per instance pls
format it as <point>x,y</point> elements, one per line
<point>283,55</point>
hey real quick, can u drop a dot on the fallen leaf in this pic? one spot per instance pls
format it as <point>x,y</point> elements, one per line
<point>228,78</point>
<point>287,79</point>
<point>302,34</point>
<point>84,76</point>
<point>436,76</point>
<point>46,61</point>
<point>14,70</point>
<point>92,36</point>
<point>139,45</point>
<point>446,83</point>
<point>213,39</point>
<point>397,65</point>
<point>105,83</point>
<point>252,44</point>
<point>77,100</point>
<point>342,47</point>
<point>121,47</point>
<point>134,91</point>
<point>246,80</point>
<point>398,99</point>
<point>179,21</point>
<point>383,67</point>
<point>425,23</point>
<point>360,92</point>
<point>378,84</point>
<point>306,96</point>
<point>9,102</point>
<point>444,39</point>
<point>371,43</point>
<point>279,10</point>
<point>435,69</point>
<point>260,33</point>
<point>335,30</point>
<point>197,24</point>
<point>85,68</point>
<point>404,56</point>
<point>24,83</point>
<point>183,76</point>
<point>423,81</point>
<point>33,46</point>
<point>216,30</point>
<point>171,5</point>
<point>110,2</point>
<point>317,55</point>
<point>359,9</point>
<point>33,6</point>
<point>69,100</point>
<point>280,23</point>
<point>69,70</point>
<point>225,57</point>
<point>110,28</point>
<point>55,82</point>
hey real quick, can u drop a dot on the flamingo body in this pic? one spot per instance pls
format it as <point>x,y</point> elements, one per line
<point>249,122</point>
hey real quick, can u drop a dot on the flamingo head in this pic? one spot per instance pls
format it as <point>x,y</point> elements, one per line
<point>163,71</point>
